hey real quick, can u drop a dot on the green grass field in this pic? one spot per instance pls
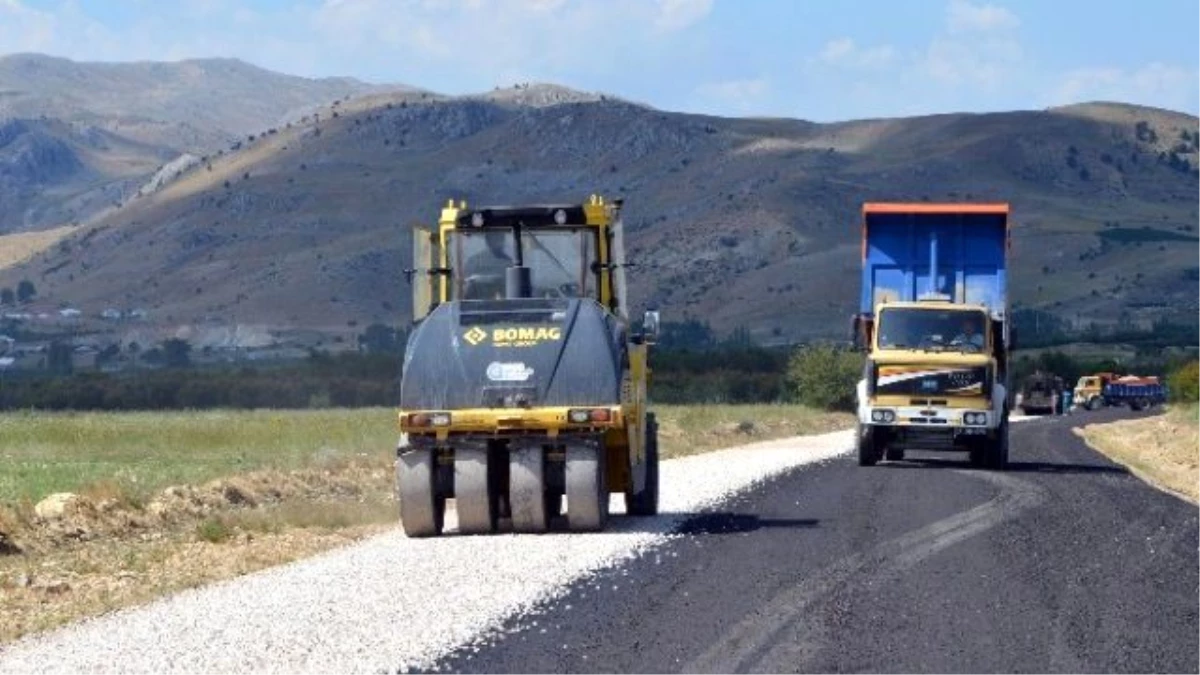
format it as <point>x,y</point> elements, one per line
<point>140,453</point>
<point>136,454</point>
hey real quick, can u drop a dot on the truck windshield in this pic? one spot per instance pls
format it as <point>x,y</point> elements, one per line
<point>932,329</point>
<point>561,262</point>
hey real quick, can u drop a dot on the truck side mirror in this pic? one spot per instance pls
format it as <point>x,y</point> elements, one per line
<point>650,326</point>
<point>856,333</point>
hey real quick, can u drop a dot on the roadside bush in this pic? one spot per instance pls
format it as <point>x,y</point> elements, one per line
<point>1184,383</point>
<point>824,376</point>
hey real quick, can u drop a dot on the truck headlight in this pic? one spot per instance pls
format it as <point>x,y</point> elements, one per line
<point>883,415</point>
<point>975,418</point>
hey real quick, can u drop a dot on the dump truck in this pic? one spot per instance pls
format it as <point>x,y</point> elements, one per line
<point>1089,390</point>
<point>524,381</point>
<point>1135,392</point>
<point>1100,389</point>
<point>1040,394</point>
<point>933,321</point>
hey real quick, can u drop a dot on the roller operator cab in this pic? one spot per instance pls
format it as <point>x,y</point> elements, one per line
<point>524,381</point>
<point>932,320</point>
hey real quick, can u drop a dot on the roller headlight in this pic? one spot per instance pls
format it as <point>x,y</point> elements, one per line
<point>586,415</point>
<point>433,419</point>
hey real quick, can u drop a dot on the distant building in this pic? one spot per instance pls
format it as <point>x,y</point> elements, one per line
<point>111,314</point>
<point>69,313</point>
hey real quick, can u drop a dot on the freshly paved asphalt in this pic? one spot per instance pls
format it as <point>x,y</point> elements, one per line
<point>1064,563</point>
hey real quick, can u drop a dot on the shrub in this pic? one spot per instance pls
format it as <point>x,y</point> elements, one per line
<point>213,530</point>
<point>824,376</point>
<point>1184,383</point>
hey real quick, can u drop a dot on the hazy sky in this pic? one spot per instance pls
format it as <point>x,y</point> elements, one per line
<point>813,59</point>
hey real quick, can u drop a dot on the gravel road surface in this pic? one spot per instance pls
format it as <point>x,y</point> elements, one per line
<point>1065,563</point>
<point>392,603</point>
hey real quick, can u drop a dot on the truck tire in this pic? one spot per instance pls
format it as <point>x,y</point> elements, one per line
<point>868,449</point>
<point>1094,403</point>
<point>978,452</point>
<point>998,457</point>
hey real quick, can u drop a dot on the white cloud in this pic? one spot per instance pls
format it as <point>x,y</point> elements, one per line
<point>844,52</point>
<point>735,95</point>
<point>964,17</point>
<point>23,29</point>
<point>979,47</point>
<point>1153,84</point>
<point>676,15</point>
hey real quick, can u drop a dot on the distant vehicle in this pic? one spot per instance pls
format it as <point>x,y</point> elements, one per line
<point>1093,391</point>
<point>1136,392</point>
<point>1040,393</point>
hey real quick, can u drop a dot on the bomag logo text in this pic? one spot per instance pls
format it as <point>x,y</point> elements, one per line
<point>524,337</point>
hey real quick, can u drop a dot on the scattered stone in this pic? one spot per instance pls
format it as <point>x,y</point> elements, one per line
<point>8,546</point>
<point>237,495</point>
<point>55,506</point>
<point>55,587</point>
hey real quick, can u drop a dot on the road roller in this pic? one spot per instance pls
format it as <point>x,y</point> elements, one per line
<point>523,396</point>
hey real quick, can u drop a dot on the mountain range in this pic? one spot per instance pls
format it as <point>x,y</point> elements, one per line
<point>216,193</point>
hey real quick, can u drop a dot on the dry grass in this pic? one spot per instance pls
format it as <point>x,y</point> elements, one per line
<point>17,248</point>
<point>1162,450</point>
<point>48,590</point>
<point>170,501</point>
<point>693,429</point>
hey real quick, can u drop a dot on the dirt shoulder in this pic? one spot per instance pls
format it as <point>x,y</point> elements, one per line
<point>102,547</point>
<point>1163,450</point>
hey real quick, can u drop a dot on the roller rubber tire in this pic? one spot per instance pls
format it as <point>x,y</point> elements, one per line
<point>587,488</point>
<point>422,510</point>
<point>645,503</point>
<point>474,501</point>
<point>527,489</point>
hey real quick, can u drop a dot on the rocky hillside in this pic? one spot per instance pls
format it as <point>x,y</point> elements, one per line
<point>78,138</point>
<point>737,221</point>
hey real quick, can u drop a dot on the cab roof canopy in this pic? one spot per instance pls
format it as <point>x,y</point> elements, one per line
<point>543,215</point>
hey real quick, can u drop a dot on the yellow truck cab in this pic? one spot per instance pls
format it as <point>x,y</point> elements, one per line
<point>934,328</point>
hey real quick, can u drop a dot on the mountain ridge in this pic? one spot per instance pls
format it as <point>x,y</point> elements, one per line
<point>741,222</point>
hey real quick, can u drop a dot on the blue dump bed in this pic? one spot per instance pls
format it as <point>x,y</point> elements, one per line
<point>960,250</point>
<point>1148,391</point>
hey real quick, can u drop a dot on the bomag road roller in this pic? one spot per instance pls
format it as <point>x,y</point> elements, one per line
<point>524,381</point>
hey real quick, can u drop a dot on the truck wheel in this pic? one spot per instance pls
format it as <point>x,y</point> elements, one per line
<point>868,451</point>
<point>645,503</point>
<point>422,509</point>
<point>998,457</point>
<point>1094,403</point>
<point>978,452</point>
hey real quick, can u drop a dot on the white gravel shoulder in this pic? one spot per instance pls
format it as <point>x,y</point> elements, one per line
<point>391,603</point>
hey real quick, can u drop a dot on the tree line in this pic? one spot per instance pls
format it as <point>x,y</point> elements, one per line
<point>689,365</point>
